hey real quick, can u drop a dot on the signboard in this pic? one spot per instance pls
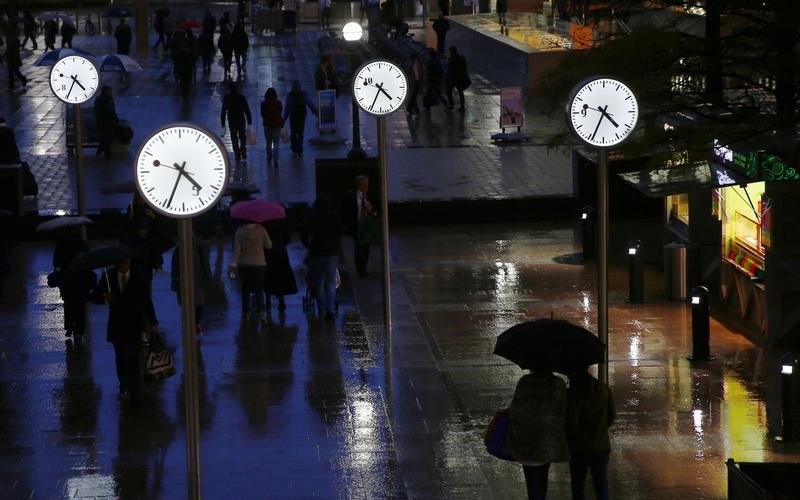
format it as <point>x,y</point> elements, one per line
<point>326,100</point>
<point>511,107</point>
<point>757,165</point>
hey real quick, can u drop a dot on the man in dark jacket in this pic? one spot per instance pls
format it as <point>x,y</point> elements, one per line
<point>322,236</point>
<point>356,208</point>
<point>236,109</point>
<point>29,28</point>
<point>457,77</point>
<point>240,46</point>
<point>225,45</point>
<point>124,37</point>
<point>296,103</point>
<point>67,32</point>
<point>75,286</point>
<point>590,412</point>
<point>9,153</point>
<point>125,293</point>
<point>105,115</point>
<point>13,59</point>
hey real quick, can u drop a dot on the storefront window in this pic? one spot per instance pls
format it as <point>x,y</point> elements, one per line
<point>741,213</point>
<point>678,208</point>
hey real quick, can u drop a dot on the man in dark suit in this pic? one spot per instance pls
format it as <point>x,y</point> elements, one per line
<point>125,292</point>
<point>356,207</point>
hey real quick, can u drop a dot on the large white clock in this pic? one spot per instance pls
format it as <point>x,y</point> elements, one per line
<point>380,87</point>
<point>74,79</point>
<point>181,170</point>
<point>602,111</point>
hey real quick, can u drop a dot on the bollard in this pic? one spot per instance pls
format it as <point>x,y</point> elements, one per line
<point>588,233</point>
<point>635,273</point>
<point>698,299</point>
<point>789,365</point>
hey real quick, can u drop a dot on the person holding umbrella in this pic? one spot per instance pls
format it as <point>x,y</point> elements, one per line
<point>67,33</point>
<point>590,412</point>
<point>74,287</point>
<point>124,37</point>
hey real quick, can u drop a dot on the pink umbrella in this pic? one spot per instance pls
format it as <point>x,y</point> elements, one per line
<point>258,210</point>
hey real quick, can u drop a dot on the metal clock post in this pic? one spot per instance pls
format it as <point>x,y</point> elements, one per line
<point>74,80</point>
<point>181,171</point>
<point>380,88</point>
<point>602,112</point>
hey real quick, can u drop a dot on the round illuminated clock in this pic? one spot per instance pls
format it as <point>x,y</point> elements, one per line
<point>181,170</point>
<point>602,111</point>
<point>74,79</point>
<point>380,87</point>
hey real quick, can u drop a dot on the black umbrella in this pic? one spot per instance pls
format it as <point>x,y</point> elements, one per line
<point>553,344</point>
<point>100,257</point>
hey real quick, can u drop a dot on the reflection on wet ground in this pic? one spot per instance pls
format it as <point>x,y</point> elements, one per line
<point>301,408</point>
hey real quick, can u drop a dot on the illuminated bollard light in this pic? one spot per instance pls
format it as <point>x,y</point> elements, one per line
<point>588,233</point>
<point>790,409</point>
<point>698,299</point>
<point>635,272</point>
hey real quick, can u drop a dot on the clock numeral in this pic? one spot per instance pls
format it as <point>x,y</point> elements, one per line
<point>195,191</point>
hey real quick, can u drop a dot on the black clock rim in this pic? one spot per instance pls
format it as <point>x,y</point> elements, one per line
<point>50,79</point>
<point>225,161</point>
<point>353,86</point>
<point>572,93</point>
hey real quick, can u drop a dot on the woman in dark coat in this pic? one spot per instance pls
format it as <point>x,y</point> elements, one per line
<point>279,277</point>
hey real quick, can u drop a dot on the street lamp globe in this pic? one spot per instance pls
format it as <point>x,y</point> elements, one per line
<point>352,31</point>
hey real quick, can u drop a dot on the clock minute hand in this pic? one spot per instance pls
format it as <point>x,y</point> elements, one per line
<point>174,188</point>
<point>607,115</point>
<point>188,176</point>
<point>380,87</point>
<point>373,101</point>
<point>598,125</point>
<point>75,80</point>
<point>70,88</point>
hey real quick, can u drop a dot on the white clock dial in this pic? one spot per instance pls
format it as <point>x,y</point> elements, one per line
<point>380,87</point>
<point>181,170</point>
<point>602,111</point>
<point>74,79</point>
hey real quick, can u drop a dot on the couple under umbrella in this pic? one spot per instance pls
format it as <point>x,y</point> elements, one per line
<point>548,422</point>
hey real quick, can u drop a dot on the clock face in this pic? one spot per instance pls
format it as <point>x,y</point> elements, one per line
<point>74,79</point>
<point>380,87</point>
<point>181,170</point>
<point>602,112</point>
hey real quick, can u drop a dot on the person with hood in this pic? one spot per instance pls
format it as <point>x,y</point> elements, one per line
<point>457,77</point>
<point>296,103</point>
<point>590,412</point>
<point>537,427</point>
<point>249,264</point>
<point>272,120</point>
<point>237,111</point>
<point>240,46</point>
<point>322,235</point>
<point>124,37</point>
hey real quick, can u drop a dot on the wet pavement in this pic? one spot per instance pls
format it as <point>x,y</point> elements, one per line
<point>302,408</point>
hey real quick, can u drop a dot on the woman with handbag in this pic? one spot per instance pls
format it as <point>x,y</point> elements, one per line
<point>537,432</point>
<point>271,117</point>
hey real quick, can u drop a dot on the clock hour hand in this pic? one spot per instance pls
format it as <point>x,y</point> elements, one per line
<point>380,87</point>
<point>188,176</point>
<point>608,115</point>
<point>75,80</point>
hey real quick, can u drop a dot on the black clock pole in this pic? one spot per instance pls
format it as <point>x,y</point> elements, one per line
<point>80,174</point>
<point>602,260</point>
<point>191,393</point>
<point>387,280</point>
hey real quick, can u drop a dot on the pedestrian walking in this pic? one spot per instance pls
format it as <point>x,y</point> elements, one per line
<point>414,70</point>
<point>206,49</point>
<point>457,77</point>
<point>322,237</point>
<point>433,88</point>
<point>125,292</point>
<point>250,244</point>
<point>105,115</point>
<point>225,22</point>
<point>225,45</point>
<point>296,103</point>
<point>209,23</point>
<point>29,28</point>
<point>67,32</point>
<point>75,287</point>
<point>202,275</point>
<point>184,61</point>
<point>356,209</point>
<point>501,7</point>
<point>325,14</point>
<point>124,37</point>
<point>13,59</point>
<point>441,26</point>
<point>279,277</point>
<point>148,243</point>
<point>272,120</point>
<point>590,412</point>
<point>158,26</point>
<point>169,30</point>
<point>325,75</point>
<point>537,428</point>
<point>241,43</point>
<point>237,112</point>
<point>50,32</point>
